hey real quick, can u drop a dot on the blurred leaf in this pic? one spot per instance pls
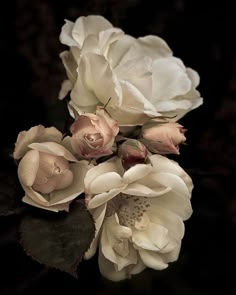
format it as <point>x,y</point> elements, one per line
<point>58,240</point>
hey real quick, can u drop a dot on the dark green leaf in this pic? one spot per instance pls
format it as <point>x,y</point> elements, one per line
<point>58,240</point>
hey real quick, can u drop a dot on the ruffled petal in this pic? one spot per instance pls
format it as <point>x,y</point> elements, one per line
<point>35,134</point>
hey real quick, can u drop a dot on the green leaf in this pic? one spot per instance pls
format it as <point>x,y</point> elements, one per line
<point>58,240</point>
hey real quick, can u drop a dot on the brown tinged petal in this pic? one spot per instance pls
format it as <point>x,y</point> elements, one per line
<point>163,138</point>
<point>132,152</point>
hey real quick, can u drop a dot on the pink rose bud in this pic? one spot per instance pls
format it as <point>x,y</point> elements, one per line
<point>53,174</point>
<point>132,152</point>
<point>93,135</point>
<point>163,138</point>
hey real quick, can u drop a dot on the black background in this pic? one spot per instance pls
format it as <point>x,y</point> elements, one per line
<point>202,34</point>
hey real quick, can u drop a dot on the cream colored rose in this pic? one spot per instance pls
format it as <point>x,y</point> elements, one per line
<point>93,135</point>
<point>49,174</point>
<point>141,76</point>
<point>139,214</point>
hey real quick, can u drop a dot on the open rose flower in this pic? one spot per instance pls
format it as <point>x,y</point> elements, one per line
<point>139,214</point>
<point>93,135</point>
<point>141,75</point>
<point>49,174</point>
<point>163,138</point>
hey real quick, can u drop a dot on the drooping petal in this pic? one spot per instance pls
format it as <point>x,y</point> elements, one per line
<point>106,182</point>
<point>102,198</point>
<point>98,216</point>
<point>153,259</point>
<point>54,149</point>
<point>136,172</point>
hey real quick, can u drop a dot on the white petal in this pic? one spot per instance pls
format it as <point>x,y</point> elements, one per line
<point>169,80</point>
<point>87,25</point>
<point>56,208</point>
<point>136,189</point>
<point>66,87</point>
<point>108,270</point>
<point>174,182</point>
<point>28,168</point>
<point>154,237</point>
<point>106,182</point>
<point>118,49</point>
<point>138,72</point>
<point>151,46</point>
<point>163,164</point>
<point>98,170</point>
<point>103,198</point>
<point>136,172</point>
<point>166,218</point>
<point>54,149</point>
<point>35,134</point>
<point>98,216</point>
<point>153,259</point>
<point>112,236</point>
<point>107,37</point>
<point>79,171</point>
<point>175,203</point>
<point>66,34</point>
<point>70,65</point>
<point>96,82</point>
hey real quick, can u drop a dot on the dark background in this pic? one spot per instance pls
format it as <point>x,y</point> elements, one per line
<point>202,34</point>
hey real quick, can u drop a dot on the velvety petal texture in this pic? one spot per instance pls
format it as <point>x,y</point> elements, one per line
<point>139,214</point>
<point>49,173</point>
<point>141,76</point>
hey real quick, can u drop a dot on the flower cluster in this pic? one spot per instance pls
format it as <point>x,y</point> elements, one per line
<point>126,96</point>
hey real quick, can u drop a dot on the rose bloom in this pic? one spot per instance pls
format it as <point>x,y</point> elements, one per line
<point>163,138</point>
<point>138,214</point>
<point>49,174</point>
<point>141,76</point>
<point>93,135</point>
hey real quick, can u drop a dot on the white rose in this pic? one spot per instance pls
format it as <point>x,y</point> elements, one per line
<point>138,214</point>
<point>49,174</point>
<point>141,76</point>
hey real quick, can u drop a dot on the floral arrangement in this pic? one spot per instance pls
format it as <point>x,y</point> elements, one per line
<point>106,185</point>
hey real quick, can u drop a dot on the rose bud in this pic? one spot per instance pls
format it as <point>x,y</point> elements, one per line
<point>163,138</point>
<point>132,152</point>
<point>93,135</point>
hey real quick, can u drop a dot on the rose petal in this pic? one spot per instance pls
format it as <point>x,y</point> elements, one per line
<point>154,237</point>
<point>169,80</point>
<point>104,197</point>
<point>54,149</point>
<point>98,216</point>
<point>96,83</point>
<point>89,25</point>
<point>28,167</point>
<point>153,259</point>
<point>66,34</point>
<point>35,134</point>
